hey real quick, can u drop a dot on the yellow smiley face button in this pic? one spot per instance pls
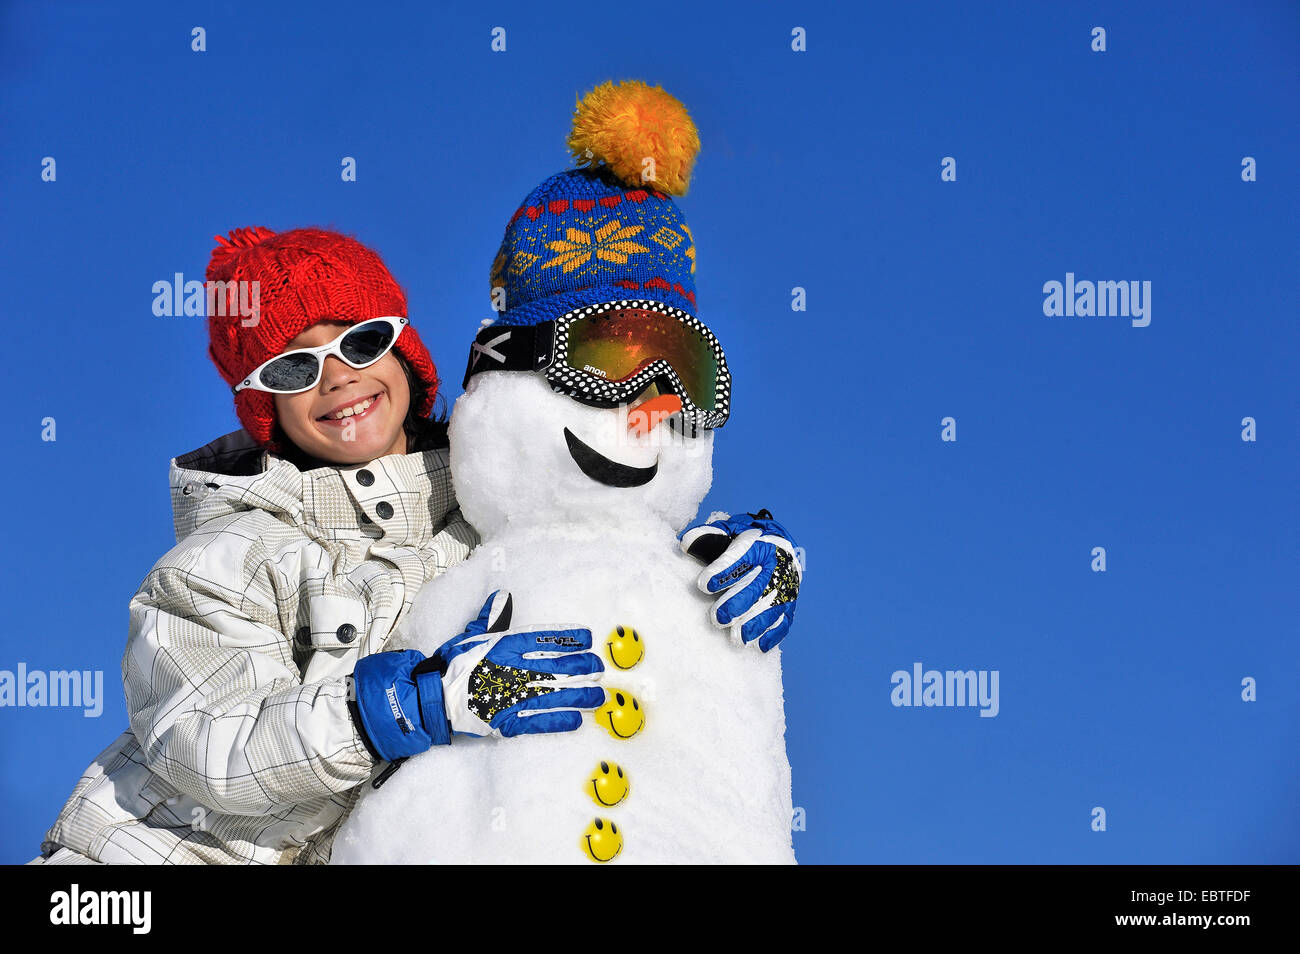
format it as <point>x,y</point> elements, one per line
<point>621,715</point>
<point>624,647</point>
<point>608,785</point>
<point>602,841</point>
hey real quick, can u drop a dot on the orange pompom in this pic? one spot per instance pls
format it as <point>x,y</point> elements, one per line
<point>642,134</point>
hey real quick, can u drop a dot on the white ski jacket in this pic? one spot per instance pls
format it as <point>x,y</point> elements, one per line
<point>242,636</point>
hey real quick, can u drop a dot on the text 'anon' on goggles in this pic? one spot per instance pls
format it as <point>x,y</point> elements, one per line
<point>608,354</point>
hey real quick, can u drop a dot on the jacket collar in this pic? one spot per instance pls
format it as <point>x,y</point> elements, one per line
<point>233,473</point>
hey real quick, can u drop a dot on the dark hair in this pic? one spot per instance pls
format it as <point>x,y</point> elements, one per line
<point>416,427</point>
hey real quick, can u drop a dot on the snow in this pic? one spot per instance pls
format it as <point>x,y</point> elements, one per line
<point>709,776</point>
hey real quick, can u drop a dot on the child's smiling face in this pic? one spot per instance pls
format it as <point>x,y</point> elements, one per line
<point>308,417</point>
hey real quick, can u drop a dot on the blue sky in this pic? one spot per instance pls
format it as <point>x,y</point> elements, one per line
<point>819,170</point>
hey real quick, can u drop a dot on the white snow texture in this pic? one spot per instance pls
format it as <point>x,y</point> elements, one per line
<point>709,777</point>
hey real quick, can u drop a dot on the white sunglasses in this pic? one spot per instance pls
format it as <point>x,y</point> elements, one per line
<point>296,371</point>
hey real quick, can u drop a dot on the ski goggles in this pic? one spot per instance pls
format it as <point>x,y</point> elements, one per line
<point>609,354</point>
<point>295,371</point>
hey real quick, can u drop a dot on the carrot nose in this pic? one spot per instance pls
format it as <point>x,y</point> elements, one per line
<point>645,417</point>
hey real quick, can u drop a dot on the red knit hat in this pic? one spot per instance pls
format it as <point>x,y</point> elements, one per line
<point>304,276</point>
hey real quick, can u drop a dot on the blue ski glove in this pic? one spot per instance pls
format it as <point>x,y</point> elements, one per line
<point>505,683</point>
<point>752,565</point>
<point>479,683</point>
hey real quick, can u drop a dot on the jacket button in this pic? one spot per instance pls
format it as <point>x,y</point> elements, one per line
<point>365,478</point>
<point>346,633</point>
<point>188,488</point>
<point>303,635</point>
<point>384,509</point>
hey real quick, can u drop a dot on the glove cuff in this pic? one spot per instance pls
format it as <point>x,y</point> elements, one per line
<point>386,704</point>
<point>433,707</point>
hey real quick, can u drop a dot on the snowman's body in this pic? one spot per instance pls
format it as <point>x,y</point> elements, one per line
<point>708,772</point>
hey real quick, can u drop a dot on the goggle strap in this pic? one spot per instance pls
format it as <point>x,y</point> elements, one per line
<point>511,348</point>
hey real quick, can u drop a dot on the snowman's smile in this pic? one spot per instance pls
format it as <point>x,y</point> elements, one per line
<point>605,471</point>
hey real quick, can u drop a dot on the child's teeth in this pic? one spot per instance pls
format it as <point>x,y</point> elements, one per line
<point>354,409</point>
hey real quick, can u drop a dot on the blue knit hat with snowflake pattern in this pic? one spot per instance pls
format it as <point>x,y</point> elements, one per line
<point>608,230</point>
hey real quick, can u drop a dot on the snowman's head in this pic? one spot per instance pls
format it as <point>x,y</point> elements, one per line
<point>525,454</point>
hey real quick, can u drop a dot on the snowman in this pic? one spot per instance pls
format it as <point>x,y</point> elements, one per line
<point>581,448</point>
